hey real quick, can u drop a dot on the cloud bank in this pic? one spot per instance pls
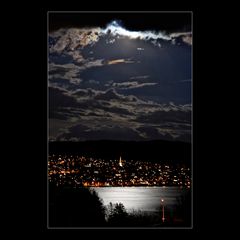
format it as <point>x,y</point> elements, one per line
<point>121,94</point>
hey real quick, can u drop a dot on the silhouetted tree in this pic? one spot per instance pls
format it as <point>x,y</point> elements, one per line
<point>75,207</point>
<point>109,210</point>
<point>142,219</point>
<point>117,215</point>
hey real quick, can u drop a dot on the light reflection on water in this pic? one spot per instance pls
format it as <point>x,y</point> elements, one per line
<point>140,198</point>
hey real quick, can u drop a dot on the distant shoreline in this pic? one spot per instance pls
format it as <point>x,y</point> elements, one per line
<point>155,150</point>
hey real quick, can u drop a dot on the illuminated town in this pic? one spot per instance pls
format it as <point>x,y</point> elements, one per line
<point>88,172</point>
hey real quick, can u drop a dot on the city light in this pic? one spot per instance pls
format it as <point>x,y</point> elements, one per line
<point>93,172</point>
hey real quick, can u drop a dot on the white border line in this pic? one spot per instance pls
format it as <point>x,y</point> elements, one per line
<point>159,228</point>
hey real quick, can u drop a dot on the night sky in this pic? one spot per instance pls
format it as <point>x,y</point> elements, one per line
<point>120,76</point>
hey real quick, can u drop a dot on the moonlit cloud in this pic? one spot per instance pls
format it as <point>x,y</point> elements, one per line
<point>74,38</point>
<point>125,91</point>
<point>93,63</point>
<point>67,71</point>
<point>187,39</point>
<point>179,34</point>
<point>111,41</point>
<point>77,56</point>
<point>70,71</point>
<point>116,61</point>
<point>115,29</point>
<point>131,85</point>
<point>185,36</point>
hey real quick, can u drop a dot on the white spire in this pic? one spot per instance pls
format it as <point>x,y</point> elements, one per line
<point>120,162</point>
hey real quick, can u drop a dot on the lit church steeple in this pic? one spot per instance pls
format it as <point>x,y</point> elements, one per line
<point>120,162</point>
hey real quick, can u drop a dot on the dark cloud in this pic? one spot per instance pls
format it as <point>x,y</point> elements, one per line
<point>59,98</point>
<point>149,132</point>
<point>159,117</point>
<point>142,120</point>
<point>81,132</point>
<point>110,94</point>
<point>118,110</point>
<point>58,115</point>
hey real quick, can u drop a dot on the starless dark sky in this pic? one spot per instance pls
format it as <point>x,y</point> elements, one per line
<point>130,20</point>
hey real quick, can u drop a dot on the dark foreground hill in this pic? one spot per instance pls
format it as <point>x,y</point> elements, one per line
<point>157,150</point>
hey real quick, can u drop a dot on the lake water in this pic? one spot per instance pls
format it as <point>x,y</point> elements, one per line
<point>141,198</point>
